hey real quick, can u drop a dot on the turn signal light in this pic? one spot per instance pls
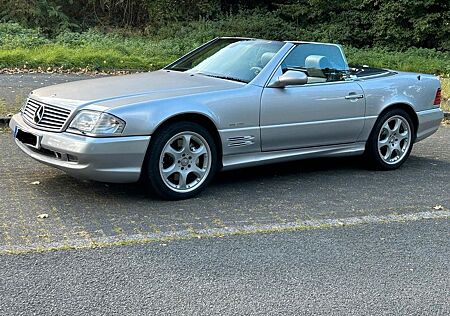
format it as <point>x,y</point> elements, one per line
<point>437,99</point>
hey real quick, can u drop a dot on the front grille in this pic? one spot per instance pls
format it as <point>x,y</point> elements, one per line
<point>45,116</point>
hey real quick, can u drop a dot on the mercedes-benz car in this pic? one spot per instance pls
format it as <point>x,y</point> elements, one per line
<point>231,103</point>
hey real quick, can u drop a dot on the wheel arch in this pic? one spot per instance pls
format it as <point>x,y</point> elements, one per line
<point>408,109</point>
<point>198,118</point>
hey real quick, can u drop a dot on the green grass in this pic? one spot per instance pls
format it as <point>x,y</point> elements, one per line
<point>7,109</point>
<point>445,84</point>
<point>93,58</point>
<point>21,47</point>
<point>142,53</point>
<point>94,50</point>
<point>413,59</point>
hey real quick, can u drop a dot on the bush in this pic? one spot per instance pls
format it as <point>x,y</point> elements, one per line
<point>13,35</point>
<point>113,50</point>
<point>413,59</point>
<point>396,24</point>
<point>46,15</point>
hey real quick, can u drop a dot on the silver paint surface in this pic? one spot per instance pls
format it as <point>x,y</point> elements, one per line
<point>256,124</point>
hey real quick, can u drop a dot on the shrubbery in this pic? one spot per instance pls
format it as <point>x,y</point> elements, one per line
<point>396,24</point>
<point>113,50</point>
<point>13,35</point>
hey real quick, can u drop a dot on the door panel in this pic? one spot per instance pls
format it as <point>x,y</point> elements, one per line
<point>311,115</point>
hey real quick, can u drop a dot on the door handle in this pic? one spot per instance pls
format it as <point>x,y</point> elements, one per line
<point>353,96</point>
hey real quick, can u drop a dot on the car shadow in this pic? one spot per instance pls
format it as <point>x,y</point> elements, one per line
<point>283,192</point>
<point>290,169</point>
<point>303,172</point>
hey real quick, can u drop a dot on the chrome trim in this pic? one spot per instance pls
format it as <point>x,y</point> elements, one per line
<point>238,129</point>
<point>239,141</point>
<point>316,122</point>
<point>354,96</point>
<point>45,116</point>
<point>261,158</point>
<point>381,74</point>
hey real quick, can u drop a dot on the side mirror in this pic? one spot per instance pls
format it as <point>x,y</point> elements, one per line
<point>290,78</point>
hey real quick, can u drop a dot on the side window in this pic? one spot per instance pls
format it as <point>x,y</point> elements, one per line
<point>320,62</point>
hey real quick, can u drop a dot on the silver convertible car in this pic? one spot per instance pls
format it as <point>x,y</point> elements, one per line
<point>231,103</point>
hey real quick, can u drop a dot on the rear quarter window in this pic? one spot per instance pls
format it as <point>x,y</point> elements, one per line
<point>298,56</point>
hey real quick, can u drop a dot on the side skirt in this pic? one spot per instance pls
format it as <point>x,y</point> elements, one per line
<point>261,158</point>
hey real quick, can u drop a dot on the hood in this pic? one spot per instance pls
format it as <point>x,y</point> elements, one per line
<point>118,90</point>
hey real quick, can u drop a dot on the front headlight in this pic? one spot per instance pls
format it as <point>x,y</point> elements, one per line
<point>96,124</point>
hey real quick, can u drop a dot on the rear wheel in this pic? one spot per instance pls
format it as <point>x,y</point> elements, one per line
<point>391,140</point>
<point>182,159</point>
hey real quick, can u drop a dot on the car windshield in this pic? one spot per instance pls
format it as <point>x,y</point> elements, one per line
<point>232,59</point>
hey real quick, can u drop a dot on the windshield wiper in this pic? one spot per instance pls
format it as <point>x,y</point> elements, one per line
<point>223,77</point>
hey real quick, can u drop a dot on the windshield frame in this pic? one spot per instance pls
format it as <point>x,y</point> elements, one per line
<point>172,66</point>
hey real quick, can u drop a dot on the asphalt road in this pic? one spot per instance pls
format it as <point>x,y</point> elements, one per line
<point>387,269</point>
<point>15,88</point>
<point>397,265</point>
<point>18,86</point>
<point>276,194</point>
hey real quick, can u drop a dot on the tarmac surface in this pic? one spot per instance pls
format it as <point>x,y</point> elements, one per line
<point>381,269</point>
<point>81,213</point>
<point>312,237</point>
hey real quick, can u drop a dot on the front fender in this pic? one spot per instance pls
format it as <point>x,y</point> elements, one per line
<point>144,118</point>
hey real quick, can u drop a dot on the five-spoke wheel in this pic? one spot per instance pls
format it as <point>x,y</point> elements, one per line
<point>185,161</point>
<point>181,160</point>
<point>391,140</point>
<point>394,139</point>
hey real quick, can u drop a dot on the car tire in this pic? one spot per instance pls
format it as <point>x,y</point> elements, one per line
<point>391,140</point>
<point>181,160</point>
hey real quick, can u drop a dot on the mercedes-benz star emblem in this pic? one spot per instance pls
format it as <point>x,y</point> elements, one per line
<point>39,114</point>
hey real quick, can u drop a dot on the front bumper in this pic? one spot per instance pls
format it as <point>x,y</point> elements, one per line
<point>429,122</point>
<point>109,159</point>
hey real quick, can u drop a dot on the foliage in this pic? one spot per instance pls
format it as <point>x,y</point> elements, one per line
<point>396,24</point>
<point>163,11</point>
<point>14,35</point>
<point>413,59</point>
<point>98,50</point>
<point>256,23</point>
<point>47,15</point>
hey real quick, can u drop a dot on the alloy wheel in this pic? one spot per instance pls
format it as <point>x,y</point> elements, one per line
<point>185,162</point>
<point>394,139</point>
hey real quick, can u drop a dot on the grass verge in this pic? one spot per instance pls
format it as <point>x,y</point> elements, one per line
<point>85,57</point>
<point>7,109</point>
<point>445,84</point>
<point>23,48</point>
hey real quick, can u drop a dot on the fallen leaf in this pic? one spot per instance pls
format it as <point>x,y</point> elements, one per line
<point>42,216</point>
<point>35,182</point>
